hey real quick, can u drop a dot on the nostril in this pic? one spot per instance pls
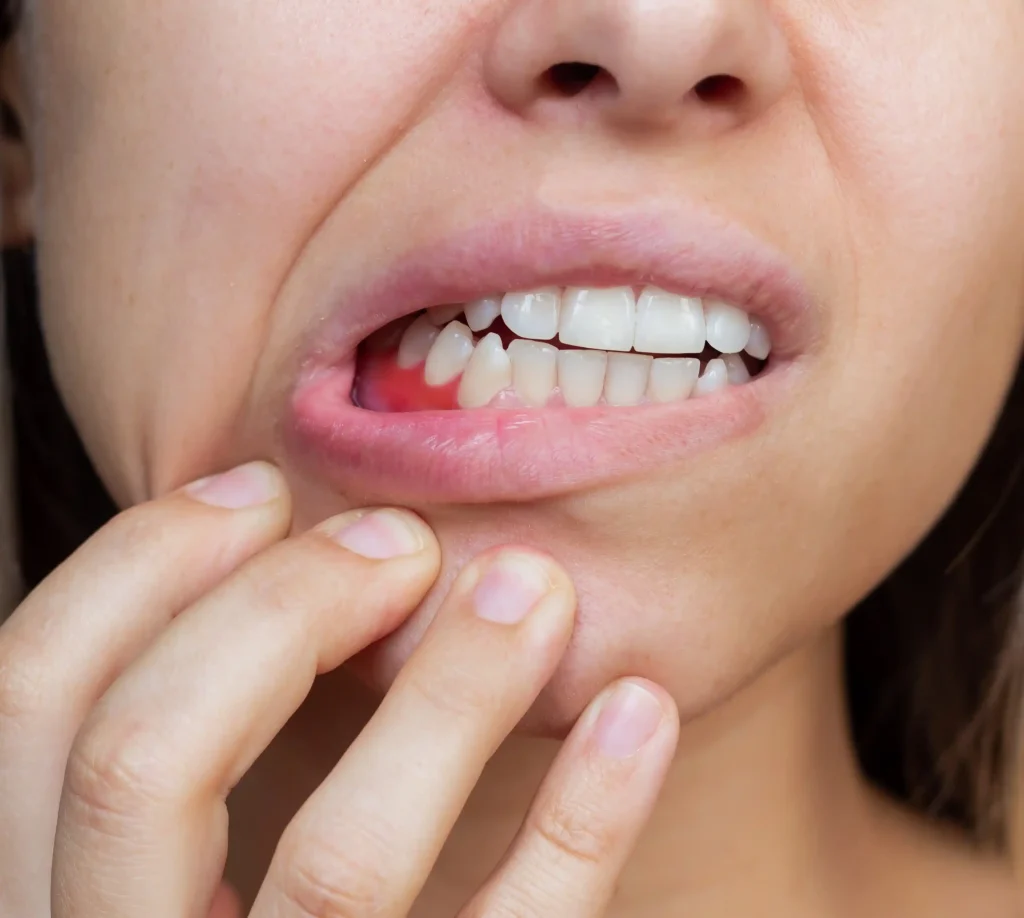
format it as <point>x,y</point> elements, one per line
<point>573,77</point>
<point>720,90</point>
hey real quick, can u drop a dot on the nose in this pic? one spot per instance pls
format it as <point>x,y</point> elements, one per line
<point>706,65</point>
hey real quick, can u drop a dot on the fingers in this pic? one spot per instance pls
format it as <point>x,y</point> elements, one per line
<point>71,638</point>
<point>590,810</point>
<point>142,827</point>
<point>365,842</point>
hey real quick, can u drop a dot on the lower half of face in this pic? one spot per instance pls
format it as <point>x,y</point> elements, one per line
<point>722,338</point>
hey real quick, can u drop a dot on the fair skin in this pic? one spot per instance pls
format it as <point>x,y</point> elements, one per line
<point>218,187</point>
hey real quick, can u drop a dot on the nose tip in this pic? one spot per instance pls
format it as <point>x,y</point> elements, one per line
<point>707,64</point>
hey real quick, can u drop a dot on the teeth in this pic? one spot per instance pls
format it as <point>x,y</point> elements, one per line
<point>480,314</point>
<point>603,319</point>
<point>532,314</point>
<point>534,371</point>
<point>668,324</point>
<point>449,355</point>
<point>715,377</point>
<point>581,377</point>
<point>736,370</point>
<point>625,381</point>
<point>442,315</point>
<point>673,378</point>
<point>759,345</point>
<point>728,327</point>
<point>416,343</point>
<point>488,372</point>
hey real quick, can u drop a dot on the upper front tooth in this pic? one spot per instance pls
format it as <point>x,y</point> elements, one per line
<point>416,342</point>
<point>533,313</point>
<point>602,319</point>
<point>581,377</point>
<point>442,315</point>
<point>480,314</point>
<point>534,371</point>
<point>728,327</point>
<point>759,345</point>
<point>669,324</point>
<point>449,355</point>
<point>488,372</point>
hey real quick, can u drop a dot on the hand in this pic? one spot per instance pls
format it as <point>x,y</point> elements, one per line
<point>145,676</point>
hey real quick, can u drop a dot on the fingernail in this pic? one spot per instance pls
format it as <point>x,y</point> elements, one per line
<point>246,486</point>
<point>381,535</point>
<point>628,719</point>
<point>512,586</point>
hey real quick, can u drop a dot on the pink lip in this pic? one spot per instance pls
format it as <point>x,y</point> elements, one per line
<point>513,455</point>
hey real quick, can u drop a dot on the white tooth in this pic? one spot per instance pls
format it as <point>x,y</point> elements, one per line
<point>581,377</point>
<point>449,355</point>
<point>759,345</point>
<point>534,371</point>
<point>668,324</point>
<point>673,378</point>
<point>602,319</point>
<point>442,315</point>
<point>416,342</point>
<point>533,313</point>
<point>480,314</point>
<point>488,372</point>
<point>625,381</point>
<point>715,377</point>
<point>728,327</point>
<point>736,369</point>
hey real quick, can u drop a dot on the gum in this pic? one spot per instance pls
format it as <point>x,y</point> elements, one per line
<point>382,385</point>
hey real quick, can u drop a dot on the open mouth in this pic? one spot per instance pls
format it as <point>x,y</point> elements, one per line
<point>616,345</point>
<point>575,347</point>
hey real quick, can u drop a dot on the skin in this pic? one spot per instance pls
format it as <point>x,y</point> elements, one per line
<point>193,209</point>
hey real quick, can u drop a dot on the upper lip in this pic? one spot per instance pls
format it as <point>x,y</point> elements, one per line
<point>687,250</point>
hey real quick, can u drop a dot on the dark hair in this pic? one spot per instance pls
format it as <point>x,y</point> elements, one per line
<point>934,656</point>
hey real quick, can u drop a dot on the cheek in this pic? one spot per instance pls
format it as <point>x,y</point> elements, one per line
<point>177,191</point>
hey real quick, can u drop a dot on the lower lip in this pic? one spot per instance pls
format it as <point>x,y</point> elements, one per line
<point>501,455</point>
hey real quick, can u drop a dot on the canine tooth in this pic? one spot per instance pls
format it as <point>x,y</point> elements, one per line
<point>668,324</point>
<point>736,369</point>
<point>599,318</point>
<point>715,377</point>
<point>581,377</point>
<point>625,380</point>
<point>449,355</point>
<point>532,313</point>
<point>759,345</point>
<point>534,371</point>
<point>673,378</point>
<point>728,327</point>
<point>416,343</point>
<point>488,372</point>
<point>442,315</point>
<point>480,314</point>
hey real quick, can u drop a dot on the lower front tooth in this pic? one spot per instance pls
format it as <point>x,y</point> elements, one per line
<point>581,377</point>
<point>673,378</point>
<point>416,343</point>
<point>449,355</point>
<point>715,377</point>
<point>488,372</point>
<point>736,369</point>
<point>534,371</point>
<point>626,378</point>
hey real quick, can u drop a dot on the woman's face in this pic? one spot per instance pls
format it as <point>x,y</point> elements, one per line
<point>232,194</point>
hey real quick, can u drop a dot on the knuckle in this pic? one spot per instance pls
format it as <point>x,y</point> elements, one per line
<point>319,879</point>
<point>114,777</point>
<point>574,831</point>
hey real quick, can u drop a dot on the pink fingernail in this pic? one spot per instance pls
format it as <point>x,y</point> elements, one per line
<point>381,535</point>
<point>512,586</point>
<point>246,486</point>
<point>628,719</point>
